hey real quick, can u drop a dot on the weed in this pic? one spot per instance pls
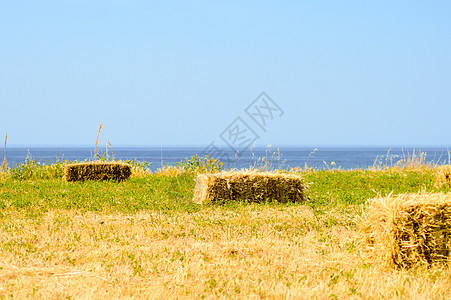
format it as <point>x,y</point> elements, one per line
<point>4,164</point>
<point>96,154</point>
<point>270,162</point>
<point>35,170</point>
<point>196,164</point>
<point>414,160</point>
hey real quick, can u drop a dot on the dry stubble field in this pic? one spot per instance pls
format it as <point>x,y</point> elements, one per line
<point>145,238</point>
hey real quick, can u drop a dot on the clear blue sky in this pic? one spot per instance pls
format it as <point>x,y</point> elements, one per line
<point>345,73</point>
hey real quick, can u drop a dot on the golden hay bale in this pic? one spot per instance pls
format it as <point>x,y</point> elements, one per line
<point>443,176</point>
<point>249,186</point>
<point>408,230</point>
<point>97,171</point>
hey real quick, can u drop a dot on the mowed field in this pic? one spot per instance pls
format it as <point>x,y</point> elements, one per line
<point>146,238</point>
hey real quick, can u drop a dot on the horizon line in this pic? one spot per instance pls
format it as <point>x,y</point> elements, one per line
<point>226,146</point>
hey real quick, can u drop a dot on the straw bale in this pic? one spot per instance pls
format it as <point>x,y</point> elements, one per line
<point>443,176</point>
<point>97,171</point>
<point>408,230</point>
<point>249,186</point>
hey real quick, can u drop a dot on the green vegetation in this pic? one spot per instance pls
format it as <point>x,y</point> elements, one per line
<point>33,170</point>
<point>196,164</point>
<point>355,187</point>
<point>40,186</point>
<point>146,193</point>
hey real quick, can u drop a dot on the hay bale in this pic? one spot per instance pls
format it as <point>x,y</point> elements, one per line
<point>97,171</point>
<point>443,176</point>
<point>249,186</point>
<point>408,230</point>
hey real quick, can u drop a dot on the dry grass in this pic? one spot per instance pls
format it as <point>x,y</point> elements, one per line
<point>4,163</point>
<point>443,176</point>
<point>414,161</point>
<point>170,171</point>
<point>97,171</point>
<point>249,186</point>
<point>96,154</point>
<point>140,172</point>
<point>168,247</point>
<point>270,252</point>
<point>409,230</point>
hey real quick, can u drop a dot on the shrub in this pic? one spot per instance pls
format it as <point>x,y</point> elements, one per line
<point>196,164</point>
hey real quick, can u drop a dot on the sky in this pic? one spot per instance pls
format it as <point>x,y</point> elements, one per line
<point>334,73</point>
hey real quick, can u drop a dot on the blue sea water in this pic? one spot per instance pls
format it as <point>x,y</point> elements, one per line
<point>285,157</point>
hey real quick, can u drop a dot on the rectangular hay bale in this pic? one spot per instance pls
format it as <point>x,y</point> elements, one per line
<point>409,230</point>
<point>249,186</point>
<point>97,171</point>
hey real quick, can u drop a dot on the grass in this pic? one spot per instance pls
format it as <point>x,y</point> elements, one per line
<point>146,238</point>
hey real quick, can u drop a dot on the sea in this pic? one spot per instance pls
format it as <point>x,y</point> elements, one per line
<point>346,158</point>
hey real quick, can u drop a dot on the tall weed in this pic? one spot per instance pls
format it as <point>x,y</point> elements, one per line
<point>197,164</point>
